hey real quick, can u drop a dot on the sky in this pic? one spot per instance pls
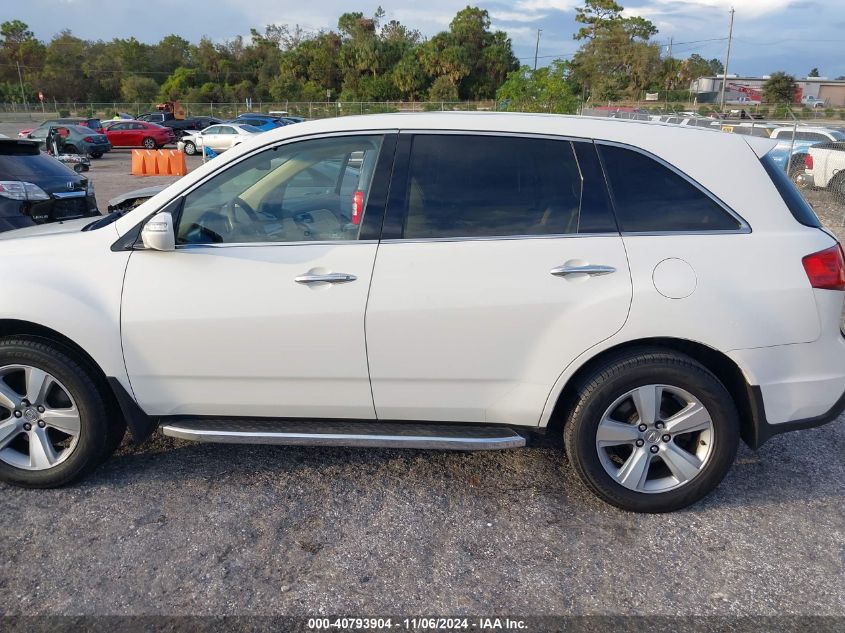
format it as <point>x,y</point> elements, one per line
<point>769,35</point>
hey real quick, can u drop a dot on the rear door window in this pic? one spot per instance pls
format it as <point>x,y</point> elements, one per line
<point>465,186</point>
<point>649,197</point>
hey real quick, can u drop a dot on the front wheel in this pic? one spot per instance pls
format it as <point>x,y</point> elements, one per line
<point>652,431</point>
<point>190,148</point>
<point>149,143</point>
<point>53,419</point>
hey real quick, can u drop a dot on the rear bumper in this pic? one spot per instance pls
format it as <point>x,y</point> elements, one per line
<point>793,387</point>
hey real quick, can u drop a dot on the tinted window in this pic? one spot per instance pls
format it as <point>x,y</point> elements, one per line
<point>476,186</point>
<point>799,208</point>
<point>650,197</point>
<point>294,193</point>
<point>811,136</point>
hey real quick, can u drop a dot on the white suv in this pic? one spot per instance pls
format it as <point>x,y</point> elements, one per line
<point>446,281</point>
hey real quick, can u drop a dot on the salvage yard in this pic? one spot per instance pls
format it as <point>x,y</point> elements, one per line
<point>174,527</point>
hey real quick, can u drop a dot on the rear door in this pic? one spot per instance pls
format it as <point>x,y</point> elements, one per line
<point>500,263</point>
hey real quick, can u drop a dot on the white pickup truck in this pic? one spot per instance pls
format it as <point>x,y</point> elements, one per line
<point>825,167</point>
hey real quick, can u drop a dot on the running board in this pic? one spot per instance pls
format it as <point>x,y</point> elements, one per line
<point>346,433</point>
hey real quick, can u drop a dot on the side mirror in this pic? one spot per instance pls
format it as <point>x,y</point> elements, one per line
<point>158,233</point>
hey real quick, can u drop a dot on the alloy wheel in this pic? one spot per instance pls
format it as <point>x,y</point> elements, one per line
<point>655,438</point>
<point>39,419</point>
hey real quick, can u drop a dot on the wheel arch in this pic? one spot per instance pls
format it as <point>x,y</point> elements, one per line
<point>748,404</point>
<point>110,388</point>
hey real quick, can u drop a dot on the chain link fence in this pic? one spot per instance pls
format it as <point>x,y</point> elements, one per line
<point>307,109</point>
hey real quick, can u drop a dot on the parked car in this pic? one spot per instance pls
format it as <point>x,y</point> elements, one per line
<point>36,189</point>
<point>468,281</point>
<point>813,102</point>
<point>139,134</point>
<point>78,139</point>
<point>180,127</point>
<point>202,122</point>
<point>95,124</point>
<point>805,137</point>
<point>131,199</point>
<point>218,138</point>
<point>262,122</point>
<point>825,167</point>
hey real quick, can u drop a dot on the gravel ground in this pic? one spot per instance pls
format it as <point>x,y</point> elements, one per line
<point>171,527</point>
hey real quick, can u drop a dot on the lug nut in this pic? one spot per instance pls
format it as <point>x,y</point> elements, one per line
<point>27,427</point>
<point>639,442</point>
<point>40,409</point>
<point>24,404</point>
<point>659,425</point>
<point>42,423</point>
<point>667,437</point>
<point>654,449</point>
<point>642,427</point>
<point>18,413</point>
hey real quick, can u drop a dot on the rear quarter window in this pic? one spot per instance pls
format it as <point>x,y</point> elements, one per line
<point>649,197</point>
<point>799,207</point>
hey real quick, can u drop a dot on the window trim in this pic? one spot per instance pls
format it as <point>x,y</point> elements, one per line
<point>744,227</point>
<point>395,205</point>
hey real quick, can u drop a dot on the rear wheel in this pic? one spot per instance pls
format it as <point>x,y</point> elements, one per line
<point>54,425</point>
<point>190,148</point>
<point>96,154</point>
<point>149,143</point>
<point>652,431</point>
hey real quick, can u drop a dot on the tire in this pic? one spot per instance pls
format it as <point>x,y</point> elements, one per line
<point>837,186</point>
<point>149,143</point>
<point>71,379</point>
<point>608,395</point>
<point>78,168</point>
<point>190,148</point>
<point>69,149</point>
<point>96,154</point>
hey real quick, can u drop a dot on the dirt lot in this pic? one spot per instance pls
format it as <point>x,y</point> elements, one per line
<point>171,527</point>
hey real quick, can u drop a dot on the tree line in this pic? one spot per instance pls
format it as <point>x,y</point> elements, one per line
<point>362,59</point>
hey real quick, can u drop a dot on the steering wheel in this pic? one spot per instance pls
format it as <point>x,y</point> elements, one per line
<point>255,227</point>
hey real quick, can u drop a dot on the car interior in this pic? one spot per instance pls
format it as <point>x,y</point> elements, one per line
<point>295,193</point>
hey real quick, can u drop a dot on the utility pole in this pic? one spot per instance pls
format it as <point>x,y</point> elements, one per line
<point>537,48</point>
<point>727,61</point>
<point>23,92</point>
<point>671,70</point>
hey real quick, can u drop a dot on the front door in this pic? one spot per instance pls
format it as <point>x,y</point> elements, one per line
<point>501,263</point>
<point>260,309</point>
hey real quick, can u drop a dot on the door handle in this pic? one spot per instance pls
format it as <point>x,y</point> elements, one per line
<point>331,278</point>
<point>563,271</point>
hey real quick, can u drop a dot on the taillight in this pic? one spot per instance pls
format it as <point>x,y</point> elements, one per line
<point>808,162</point>
<point>826,269</point>
<point>357,206</point>
<point>88,139</point>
